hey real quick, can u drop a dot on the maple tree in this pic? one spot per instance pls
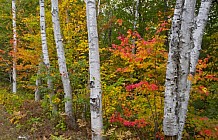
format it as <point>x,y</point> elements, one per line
<point>139,81</point>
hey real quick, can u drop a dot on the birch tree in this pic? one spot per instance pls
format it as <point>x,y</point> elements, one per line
<point>38,83</point>
<point>62,64</point>
<point>185,46</point>
<point>94,69</point>
<point>136,15</point>
<point>197,35</point>
<point>14,73</point>
<point>183,55</point>
<point>45,55</point>
<point>134,26</point>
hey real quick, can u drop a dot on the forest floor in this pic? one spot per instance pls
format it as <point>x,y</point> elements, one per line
<point>21,118</point>
<point>43,130</point>
<point>7,130</point>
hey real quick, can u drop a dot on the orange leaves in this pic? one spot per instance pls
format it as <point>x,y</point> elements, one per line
<point>162,27</point>
<point>203,78</point>
<point>120,22</point>
<point>2,51</point>
<point>28,56</point>
<point>211,77</point>
<point>203,90</point>
<point>146,51</point>
<point>190,77</point>
<point>202,64</point>
<point>140,63</point>
<point>127,69</point>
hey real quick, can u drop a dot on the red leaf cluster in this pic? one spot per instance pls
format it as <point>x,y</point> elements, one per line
<point>206,132</point>
<point>151,87</point>
<point>116,118</point>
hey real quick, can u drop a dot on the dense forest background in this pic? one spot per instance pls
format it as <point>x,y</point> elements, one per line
<point>132,83</point>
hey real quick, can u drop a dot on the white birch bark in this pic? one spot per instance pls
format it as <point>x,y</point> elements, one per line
<point>134,26</point>
<point>62,63</point>
<point>182,64</point>
<point>185,47</point>
<point>197,36</point>
<point>136,15</point>
<point>198,32</point>
<point>99,3</point>
<point>94,68</point>
<point>43,34</point>
<point>170,125</point>
<point>14,73</point>
<point>38,83</point>
<point>37,92</point>
<point>45,53</point>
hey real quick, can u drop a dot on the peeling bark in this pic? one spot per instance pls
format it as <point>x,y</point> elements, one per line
<point>170,125</point>
<point>198,32</point>
<point>37,92</point>
<point>185,47</point>
<point>94,69</point>
<point>183,56</point>
<point>14,72</point>
<point>45,53</point>
<point>197,36</point>
<point>38,83</point>
<point>62,64</point>
<point>136,15</point>
<point>134,26</point>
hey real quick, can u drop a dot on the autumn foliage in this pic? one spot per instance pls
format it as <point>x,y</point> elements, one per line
<point>133,67</point>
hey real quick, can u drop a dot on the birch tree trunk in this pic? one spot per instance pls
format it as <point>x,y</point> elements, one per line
<point>37,92</point>
<point>197,36</point>
<point>134,26</point>
<point>94,68</point>
<point>182,59</point>
<point>62,64</point>
<point>99,3</point>
<point>38,83</point>
<point>185,47</point>
<point>14,73</point>
<point>45,53</point>
<point>198,32</point>
<point>136,15</point>
<point>170,125</point>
